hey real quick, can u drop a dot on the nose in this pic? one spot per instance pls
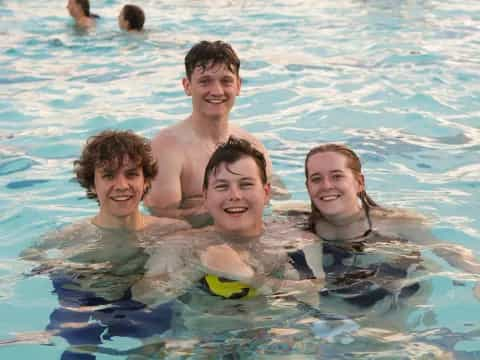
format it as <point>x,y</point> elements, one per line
<point>235,193</point>
<point>216,88</point>
<point>121,182</point>
<point>326,183</point>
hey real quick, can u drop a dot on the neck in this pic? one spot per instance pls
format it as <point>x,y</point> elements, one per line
<point>241,238</point>
<point>345,219</point>
<point>217,130</point>
<point>353,227</point>
<point>134,222</point>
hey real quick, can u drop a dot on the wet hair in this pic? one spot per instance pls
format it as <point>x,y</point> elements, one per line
<point>353,163</point>
<point>232,151</point>
<point>135,17</point>
<point>85,6</point>
<point>207,53</point>
<point>108,149</point>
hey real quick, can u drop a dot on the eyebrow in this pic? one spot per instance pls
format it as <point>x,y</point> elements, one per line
<point>330,172</point>
<point>244,178</point>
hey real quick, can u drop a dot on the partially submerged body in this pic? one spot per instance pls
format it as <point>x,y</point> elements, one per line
<point>213,82</point>
<point>184,155</point>
<point>79,10</point>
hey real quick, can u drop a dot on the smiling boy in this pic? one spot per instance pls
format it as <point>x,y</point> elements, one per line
<point>213,82</point>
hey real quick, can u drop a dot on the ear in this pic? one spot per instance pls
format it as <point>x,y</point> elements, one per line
<point>146,187</point>
<point>239,85</point>
<point>361,183</point>
<point>187,86</point>
<point>267,188</point>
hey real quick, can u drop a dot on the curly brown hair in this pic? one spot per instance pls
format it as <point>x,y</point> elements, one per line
<point>108,149</point>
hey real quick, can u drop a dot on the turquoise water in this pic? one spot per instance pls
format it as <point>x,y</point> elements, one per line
<point>396,80</point>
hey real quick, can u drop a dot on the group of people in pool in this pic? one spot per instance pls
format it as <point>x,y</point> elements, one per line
<point>131,17</point>
<point>206,183</point>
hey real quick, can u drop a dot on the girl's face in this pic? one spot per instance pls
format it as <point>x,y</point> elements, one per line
<point>333,187</point>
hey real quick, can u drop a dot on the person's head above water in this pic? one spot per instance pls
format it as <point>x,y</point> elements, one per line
<point>206,54</point>
<point>112,153</point>
<point>80,11</point>
<point>236,188</point>
<point>335,182</point>
<point>212,80</point>
<point>131,18</point>
<point>78,8</point>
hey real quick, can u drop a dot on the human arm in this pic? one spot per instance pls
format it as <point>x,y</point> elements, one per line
<point>223,261</point>
<point>170,270</point>
<point>166,196</point>
<point>417,231</point>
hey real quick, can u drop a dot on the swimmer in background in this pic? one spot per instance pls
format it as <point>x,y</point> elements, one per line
<point>79,10</point>
<point>240,255</point>
<point>213,82</point>
<point>131,18</point>
<point>369,251</point>
<point>94,262</point>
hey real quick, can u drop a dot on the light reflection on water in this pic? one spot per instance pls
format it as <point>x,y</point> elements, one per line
<point>397,80</point>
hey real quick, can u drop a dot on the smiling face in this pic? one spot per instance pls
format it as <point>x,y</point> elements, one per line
<point>119,190</point>
<point>235,198</point>
<point>213,90</point>
<point>332,185</point>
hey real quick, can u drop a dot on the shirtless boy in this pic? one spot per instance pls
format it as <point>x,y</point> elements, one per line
<point>183,150</point>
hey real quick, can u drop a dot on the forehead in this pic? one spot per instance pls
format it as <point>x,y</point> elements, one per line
<point>327,161</point>
<point>212,69</point>
<point>117,163</point>
<point>243,167</point>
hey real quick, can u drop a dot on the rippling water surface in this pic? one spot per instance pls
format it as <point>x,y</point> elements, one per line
<point>396,80</point>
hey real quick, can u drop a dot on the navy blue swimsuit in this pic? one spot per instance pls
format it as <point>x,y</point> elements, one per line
<point>123,317</point>
<point>356,283</point>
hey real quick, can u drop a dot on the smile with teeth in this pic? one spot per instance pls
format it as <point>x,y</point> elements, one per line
<point>215,101</point>
<point>121,197</point>
<point>329,197</point>
<point>235,210</point>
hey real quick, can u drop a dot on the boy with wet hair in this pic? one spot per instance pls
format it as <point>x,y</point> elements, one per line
<point>241,255</point>
<point>207,53</point>
<point>109,149</point>
<point>94,262</point>
<point>231,152</point>
<point>131,18</point>
<point>212,81</point>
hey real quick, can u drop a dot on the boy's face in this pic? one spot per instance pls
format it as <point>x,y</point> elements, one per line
<point>213,90</point>
<point>236,196</point>
<point>119,191</point>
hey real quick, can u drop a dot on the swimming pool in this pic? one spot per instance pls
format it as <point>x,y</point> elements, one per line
<point>396,80</point>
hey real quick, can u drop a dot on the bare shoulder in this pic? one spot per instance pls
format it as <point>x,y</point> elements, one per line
<point>172,136</point>
<point>397,214</point>
<point>287,232</point>
<point>404,223</point>
<point>239,132</point>
<point>167,225</point>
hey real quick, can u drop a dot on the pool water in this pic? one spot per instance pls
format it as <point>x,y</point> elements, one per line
<point>396,80</point>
